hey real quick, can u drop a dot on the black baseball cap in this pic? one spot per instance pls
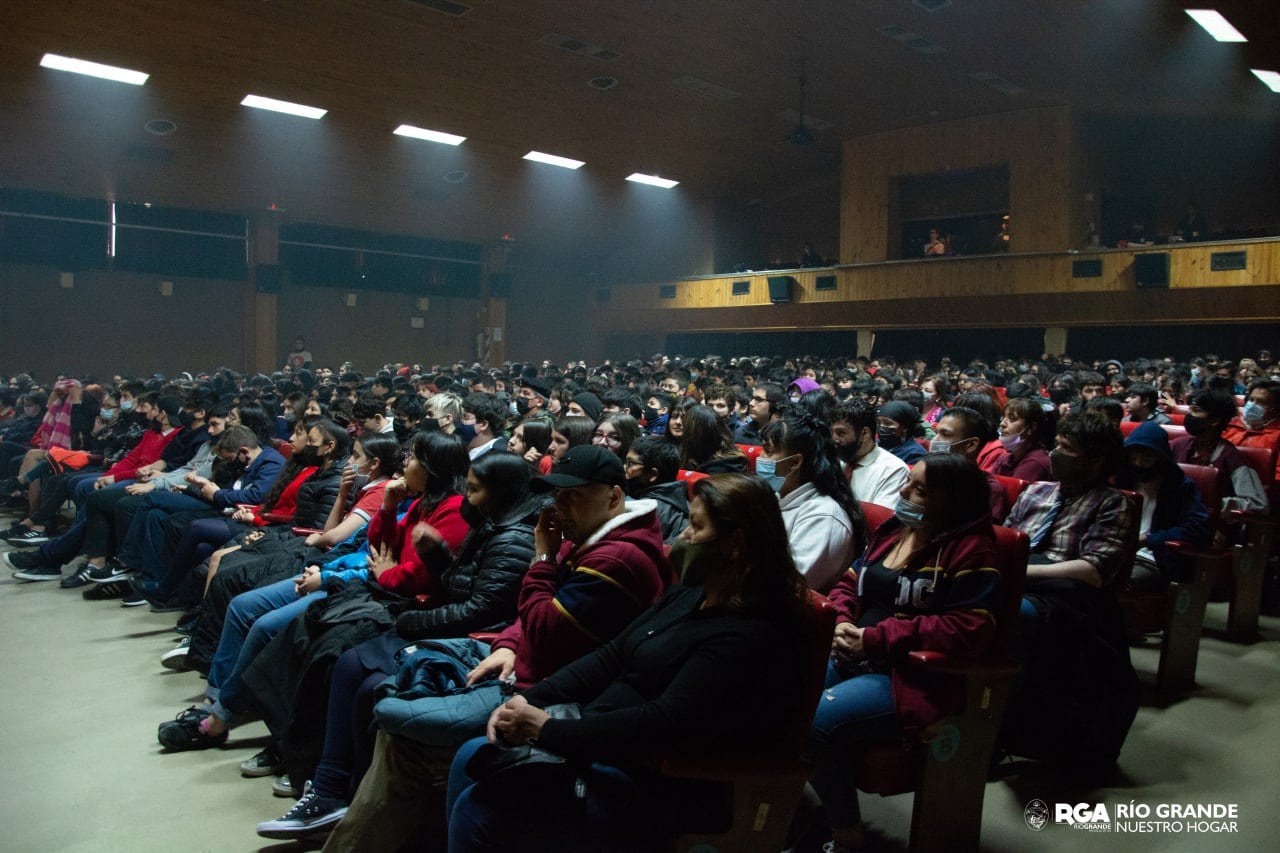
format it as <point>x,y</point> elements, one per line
<point>582,466</point>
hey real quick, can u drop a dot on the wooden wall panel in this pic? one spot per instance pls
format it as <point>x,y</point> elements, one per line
<point>1040,147</point>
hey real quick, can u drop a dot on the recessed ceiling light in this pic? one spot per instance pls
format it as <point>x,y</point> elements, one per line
<point>1216,25</point>
<point>651,180</point>
<point>429,135</point>
<point>93,69</point>
<point>287,107</point>
<point>1271,78</point>
<point>553,160</point>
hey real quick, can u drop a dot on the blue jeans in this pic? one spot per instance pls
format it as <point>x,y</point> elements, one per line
<point>148,537</point>
<point>616,813</point>
<point>851,711</point>
<point>253,618</point>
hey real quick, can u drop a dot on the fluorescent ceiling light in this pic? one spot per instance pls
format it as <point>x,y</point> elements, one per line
<point>261,103</point>
<point>652,180</point>
<point>1271,78</point>
<point>428,135</point>
<point>93,69</point>
<point>1216,25</point>
<point>553,160</point>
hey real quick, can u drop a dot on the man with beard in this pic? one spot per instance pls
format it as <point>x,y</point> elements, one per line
<point>875,475</point>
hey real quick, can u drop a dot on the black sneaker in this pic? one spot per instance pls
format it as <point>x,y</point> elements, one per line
<point>39,573</point>
<point>112,571</point>
<point>24,560</point>
<point>27,539</point>
<point>106,591</point>
<point>79,578</point>
<point>132,598</point>
<point>183,732</point>
<point>176,657</point>
<point>312,814</point>
<point>266,763</point>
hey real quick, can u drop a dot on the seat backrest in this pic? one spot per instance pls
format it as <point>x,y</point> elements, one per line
<point>752,452</point>
<point>1127,427</point>
<point>1177,418</point>
<point>1262,460</point>
<point>821,619</point>
<point>1174,430</point>
<point>874,515</point>
<point>1208,483</point>
<point>1012,487</point>
<point>689,478</point>
<point>1012,553</point>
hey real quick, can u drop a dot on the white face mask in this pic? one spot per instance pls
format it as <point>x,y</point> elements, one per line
<point>1252,414</point>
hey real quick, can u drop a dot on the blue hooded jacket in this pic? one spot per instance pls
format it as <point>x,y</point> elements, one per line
<point>1180,515</point>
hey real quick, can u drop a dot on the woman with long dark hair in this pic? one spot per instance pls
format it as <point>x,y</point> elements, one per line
<point>927,581</point>
<point>707,444</point>
<point>824,522</point>
<point>658,689</point>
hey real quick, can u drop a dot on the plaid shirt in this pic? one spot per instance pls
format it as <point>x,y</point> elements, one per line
<point>1095,526</point>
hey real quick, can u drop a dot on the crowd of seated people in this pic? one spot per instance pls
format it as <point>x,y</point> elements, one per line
<point>394,571</point>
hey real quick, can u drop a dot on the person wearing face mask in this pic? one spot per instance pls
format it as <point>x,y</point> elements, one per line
<point>1076,674</point>
<point>657,411</point>
<point>372,415</point>
<point>1024,430</point>
<point>651,466</point>
<point>599,564</point>
<point>444,409</point>
<point>1259,421</point>
<point>1171,507</point>
<point>161,415</point>
<point>532,396</point>
<point>409,413</point>
<point>1209,413</point>
<point>897,424</point>
<point>963,430</point>
<point>874,475</point>
<point>732,634</point>
<point>823,521</point>
<point>928,580</point>
<point>481,584</point>
<point>480,425</point>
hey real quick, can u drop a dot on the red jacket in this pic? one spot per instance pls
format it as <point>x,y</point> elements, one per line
<point>146,451</point>
<point>410,575</point>
<point>1268,437</point>
<point>946,599</point>
<point>591,591</point>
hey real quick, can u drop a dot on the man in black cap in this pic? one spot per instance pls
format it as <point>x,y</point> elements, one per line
<point>599,564</point>
<point>532,396</point>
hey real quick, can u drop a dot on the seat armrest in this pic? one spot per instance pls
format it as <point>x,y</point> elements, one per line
<point>484,636</point>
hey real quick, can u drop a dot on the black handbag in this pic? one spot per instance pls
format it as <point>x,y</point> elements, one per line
<point>517,767</point>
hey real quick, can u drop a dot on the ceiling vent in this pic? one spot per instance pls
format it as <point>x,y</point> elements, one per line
<point>457,176</point>
<point>160,127</point>
<point>448,7</point>
<point>995,81</point>
<point>913,41</point>
<point>604,84</point>
<point>580,47</point>
<point>707,89</point>
<point>932,5</point>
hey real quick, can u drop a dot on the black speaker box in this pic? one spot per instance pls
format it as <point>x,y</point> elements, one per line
<point>1151,269</point>
<point>780,288</point>
<point>268,278</point>
<point>500,285</point>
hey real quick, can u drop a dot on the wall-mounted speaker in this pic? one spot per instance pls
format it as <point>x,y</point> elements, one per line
<point>268,278</point>
<point>1151,269</point>
<point>780,288</point>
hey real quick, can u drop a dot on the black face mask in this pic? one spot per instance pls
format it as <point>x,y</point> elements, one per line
<point>401,431</point>
<point>635,487</point>
<point>889,440</point>
<point>309,456</point>
<point>522,406</point>
<point>650,414</point>
<point>1060,395</point>
<point>424,425</point>
<point>186,419</point>
<point>1195,425</point>
<point>1139,474</point>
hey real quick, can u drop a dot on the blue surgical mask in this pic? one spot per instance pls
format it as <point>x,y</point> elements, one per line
<point>1252,414</point>
<point>107,414</point>
<point>127,405</point>
<point>767,470</point>
<point>467,432</point>
<point>910,514</point>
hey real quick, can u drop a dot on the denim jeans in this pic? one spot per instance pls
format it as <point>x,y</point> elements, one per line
<point>253,618</point>
<point>851,711</point>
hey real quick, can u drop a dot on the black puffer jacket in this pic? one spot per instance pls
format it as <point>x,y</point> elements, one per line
<point>673,508</point>
<point>317,495</point>
<point>482,584</point>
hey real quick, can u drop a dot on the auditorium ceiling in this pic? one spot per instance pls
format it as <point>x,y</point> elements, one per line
<point>705,92</point>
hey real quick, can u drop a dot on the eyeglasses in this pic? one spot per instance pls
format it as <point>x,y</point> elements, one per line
<point>607,438</point>
<point>630,463</point>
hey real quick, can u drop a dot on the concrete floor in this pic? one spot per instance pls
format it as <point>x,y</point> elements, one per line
<point>82,691</point>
